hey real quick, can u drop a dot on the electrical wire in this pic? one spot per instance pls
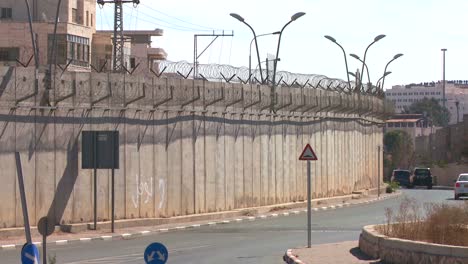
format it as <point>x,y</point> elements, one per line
<point>176,18</point>
<point>175,27</point>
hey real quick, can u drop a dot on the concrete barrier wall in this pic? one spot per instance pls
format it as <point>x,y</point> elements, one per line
<point>186,146</point>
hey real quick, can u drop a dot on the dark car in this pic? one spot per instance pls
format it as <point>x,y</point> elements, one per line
<point>403,177</point>
<point>422,177</point>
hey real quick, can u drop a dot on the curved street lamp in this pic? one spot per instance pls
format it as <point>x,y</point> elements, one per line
<point>364,64</point>
<point>344,53</point>
<point>250,50</point>
<point>293,18</point>
<point>379,37</point>
<point>385,70</point>
<point>383,77</point>
<point>241,19</point>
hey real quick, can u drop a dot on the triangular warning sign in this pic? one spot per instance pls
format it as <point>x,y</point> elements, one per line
<point>308,153</point>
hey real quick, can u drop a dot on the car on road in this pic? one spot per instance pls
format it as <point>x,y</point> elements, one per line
<point>421,177</point>
<point>461,186</point>
<point>402,177</point>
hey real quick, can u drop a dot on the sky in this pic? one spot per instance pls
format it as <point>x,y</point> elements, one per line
<point>417,28</point>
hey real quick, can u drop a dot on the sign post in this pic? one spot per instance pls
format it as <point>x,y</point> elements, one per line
<point>27,228</point>
<point>45,228</point>
<point>100,150</point>
<point>308,155</point>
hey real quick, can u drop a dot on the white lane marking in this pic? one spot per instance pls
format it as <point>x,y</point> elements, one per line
<point>239,220</point>
<point>85,239</point>
<point>211,223</point>
<point>146,232</point>
<point>195,226</point>
<point>8,247</point>
<point>274,215</point>
<point>106,237</point>
<point>163,230</point>
<point>251,218</point>
<point>61,242</point>
<point>296,212</point>
<point>285,214</point>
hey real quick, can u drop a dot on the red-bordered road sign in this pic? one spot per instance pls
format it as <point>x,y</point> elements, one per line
<point>308,153</point>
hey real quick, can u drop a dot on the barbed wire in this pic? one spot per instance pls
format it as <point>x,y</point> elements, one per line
<point>99,62</point>
<point>220,72</point>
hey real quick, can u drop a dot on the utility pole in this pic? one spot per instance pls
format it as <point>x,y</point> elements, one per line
<point>118,39</point>
<point>443,76</point>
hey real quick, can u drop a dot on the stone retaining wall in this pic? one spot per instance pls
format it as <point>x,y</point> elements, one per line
<point>394,250</point>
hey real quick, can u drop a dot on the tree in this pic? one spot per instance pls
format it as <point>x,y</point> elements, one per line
<point>399,144</point>
<point>438,114</point>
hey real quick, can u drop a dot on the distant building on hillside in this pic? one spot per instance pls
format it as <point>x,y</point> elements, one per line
<point>415,125</point>
<point>456,94</point>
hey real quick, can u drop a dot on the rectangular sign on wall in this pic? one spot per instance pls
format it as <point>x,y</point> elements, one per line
<point>100,150</point>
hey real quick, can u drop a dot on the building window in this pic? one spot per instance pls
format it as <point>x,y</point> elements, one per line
<point>404,94</point>
<point>60,49</point>
<point>421,93</point>
<point>432,93</point>
<point>399,93</point>
<point>92,19</point>
<point>9,54</point>
<point>6,13</point>
<point>390,125</point>
<point>399,100</point>
<point>74,15</point>
<point>410,124</point>
<point>87,18</point>
<point>438,93</point>
<point>427,93</point>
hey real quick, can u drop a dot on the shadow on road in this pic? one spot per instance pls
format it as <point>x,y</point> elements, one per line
<point>362,256</point>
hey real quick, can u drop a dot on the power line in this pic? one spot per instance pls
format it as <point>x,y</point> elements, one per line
<point>181,20</point>
<point>171,26</point>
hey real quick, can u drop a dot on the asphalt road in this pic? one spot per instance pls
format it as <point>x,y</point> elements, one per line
<point>259,241</point>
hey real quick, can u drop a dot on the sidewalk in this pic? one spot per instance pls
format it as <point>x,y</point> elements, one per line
<point>128,229</point>
<point>345,252</point>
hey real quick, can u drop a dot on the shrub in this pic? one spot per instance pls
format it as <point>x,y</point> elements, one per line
<point>391,187</point>
<point>441,223</point>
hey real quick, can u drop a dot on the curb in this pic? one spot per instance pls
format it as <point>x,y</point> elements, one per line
<point>290,258</point>
<point>126,236</point>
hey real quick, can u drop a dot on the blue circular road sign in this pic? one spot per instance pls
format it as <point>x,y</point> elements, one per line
<point>29,254</point>
<point>156,253</point>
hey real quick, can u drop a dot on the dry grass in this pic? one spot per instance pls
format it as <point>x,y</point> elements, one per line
<point>441,223</point>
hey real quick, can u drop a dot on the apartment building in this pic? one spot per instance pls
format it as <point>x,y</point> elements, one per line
<point>74,32</point>
<point>456,94</point>
<point>76,37</point>
<point>139,56</point>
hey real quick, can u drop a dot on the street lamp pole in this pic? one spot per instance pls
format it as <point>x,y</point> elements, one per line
<point>443,76</point>
<point>344,53</point>
<point>241,19</point>
<point>275,63</point>
<point>364,64</point>
<point>379,37</point>
<point>250,49</point>
<point>385,70</point>
<point>383,78</point>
